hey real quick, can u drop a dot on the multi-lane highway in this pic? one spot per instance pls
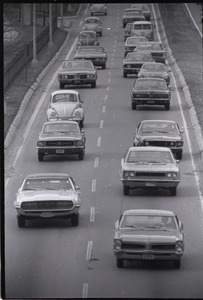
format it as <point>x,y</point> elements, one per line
<point>52,259</point>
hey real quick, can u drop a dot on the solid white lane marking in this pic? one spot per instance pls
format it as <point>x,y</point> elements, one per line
<point>185,124</point>
<point>89,250</point>
<point>93,185</point>
<point>85,290</point>
<point>101,124</point>
<point>92,214</point>
<point>193,19</point>
<point>96,162</point>
<point>104,109</point>
<point>99,141</point>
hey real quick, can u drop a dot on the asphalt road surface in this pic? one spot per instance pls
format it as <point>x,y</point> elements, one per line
<point>51,259</point>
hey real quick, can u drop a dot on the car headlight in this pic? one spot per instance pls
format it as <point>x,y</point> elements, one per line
<point>40,143</point>
<point>79,143</point>
<point>117,244</point>
<point>126,174</point>
<point>172,174</point>
<point>165,76</point>
<point>140,75</point>
<point>179,246</point>
<point>172,144</point>
<point>85,28</point>
<point>146,143</point>
<point>77,114</point>
<point>53,114</point>
<point>132,174</point>
<point>179,144</point>
<point>127,66</point>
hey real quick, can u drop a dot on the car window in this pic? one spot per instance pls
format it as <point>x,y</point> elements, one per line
<point>148,222</point>
<point>86,35</point>
<point>77,64</point>
<point>66,97</point>
<point>149,157</point>
<point>153,67</point>
<point>150,84</point>
<point>47,183</point>
<point>159,126</point>
<point>60,128</point>
<point>91,49</point>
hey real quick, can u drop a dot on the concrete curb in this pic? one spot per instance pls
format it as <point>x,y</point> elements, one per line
<point>186,91</point>
<point>33,88</point>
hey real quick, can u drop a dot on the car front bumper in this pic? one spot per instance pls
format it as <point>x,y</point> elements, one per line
<point>149,183</point>
<point>147,255</point>
<point>60,151</point>
<point>48,213</point>
<point>148,101</point>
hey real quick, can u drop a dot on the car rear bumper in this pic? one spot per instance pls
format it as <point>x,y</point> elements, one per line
<point>140,101</point>
<point>60,151</point>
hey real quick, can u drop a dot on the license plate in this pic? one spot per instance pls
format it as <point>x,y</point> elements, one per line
<point>151,101</point>
<point>148,256</point>
<point>47,215</point>
<point>59,151</point>
<point>150,184</point>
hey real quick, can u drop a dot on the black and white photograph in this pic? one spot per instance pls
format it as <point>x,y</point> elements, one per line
<point>102,156</point>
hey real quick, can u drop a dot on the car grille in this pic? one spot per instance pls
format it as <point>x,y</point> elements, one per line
<point>47,205</point>
<point>59,143</point>
<point>161,174</point>
<point>135,65</point>
<point>160,143</point>
<point>163,247</point>
<point>133,246</point>
<point>83,76</point>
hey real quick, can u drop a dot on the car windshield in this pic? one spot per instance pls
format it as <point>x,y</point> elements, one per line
<point>147,157</point>
<point>153,67</point>
<point>77,65</point>
<point>159,127</point>
<point>148,222</point>
<point>91,49</point>
<point>47,184</point>
<point>134,12</point>
<point>87,35</point>
<point>53,128</point>
<point>149,46</point>
<point>142,27</point>
<point>91,21</point>
<point>150,84</point>
<point>65,98</point>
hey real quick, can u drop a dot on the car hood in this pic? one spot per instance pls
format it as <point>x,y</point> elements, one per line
<point>59,137</point>
<point>66,109</point>
<point>44,195</point>
<point>150,236</point>
<point>150,167</point>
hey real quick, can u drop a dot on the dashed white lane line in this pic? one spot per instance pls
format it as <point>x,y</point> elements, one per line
<point>109,73</point>
<point>92,214</point>
<point>96,162</point>
<point>108,88</point>
<point>109,80</point>
<point>93,185</point>
<point>106,97</point>
<point>85,290</point>
<point>104,109</point>
<point>89,250</point>
<point>101,124</point>
<point>99,141</point>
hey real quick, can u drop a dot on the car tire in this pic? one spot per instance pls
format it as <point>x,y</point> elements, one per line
<point>61,85</point>
<point>75,219</point>
<point>173,191</point>
<point>40,156</point>
<point>104,66</point>
<point>93,85</point>
<point>119,262</point>
<point>124,74</point>
<point>126,190</point>
<point>100,34</point>
<point>177,264</point>
<point>21,221</point>
<point>179,155</point>
<point>81,123</point>
<point>167,106</point>
<point>81,155</point>
<point>134,106</point>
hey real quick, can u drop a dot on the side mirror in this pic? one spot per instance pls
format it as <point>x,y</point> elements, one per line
<point>177,160</point>
<point>77,188</point>
<point>82,131</point>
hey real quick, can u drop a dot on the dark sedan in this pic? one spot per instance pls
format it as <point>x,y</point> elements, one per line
<point>134,61</point>
<point>96,54</point>
<point>150,91</point>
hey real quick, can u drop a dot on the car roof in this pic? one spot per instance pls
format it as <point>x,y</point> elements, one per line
<point>142,22</point>
<point>64,91</point>
<point>92,18</point>
<point>149,148</point>
<point>149,78</point>
<point>48,175</point>
<point>157,212</point>
<point>166,121</point>
<point>85,31</point>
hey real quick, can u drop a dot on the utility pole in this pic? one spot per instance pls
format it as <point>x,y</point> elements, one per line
<point>50,25</point>
<point>34,57</point>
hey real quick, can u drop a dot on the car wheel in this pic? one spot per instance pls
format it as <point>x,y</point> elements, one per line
<point>177,264</point>
<point>100,33</point>
<point>21,221</point>
<point>167,106</point>
<point>124,74</point>
<point>179,155</point>
<point>81,123</point>
<point>93,84</point>
<point>75,220</point>
<point>126,190</point>
<point>119,262</point>
<point>173,191</point>
<point>40,156</point>
<point>104,66</point>
<point>81,155</point>
<point>61,85</point>
<point>134,106</point>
